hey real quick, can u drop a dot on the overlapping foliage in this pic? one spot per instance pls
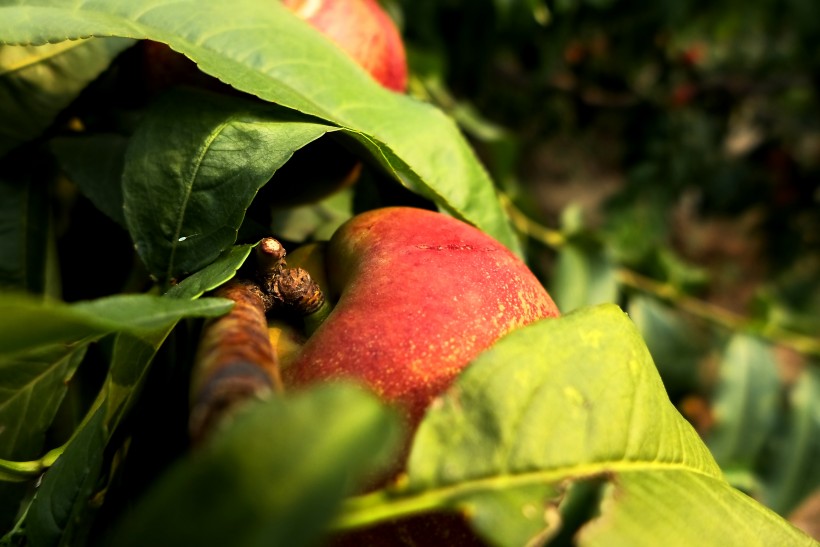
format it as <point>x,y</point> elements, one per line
<point>93,393</point>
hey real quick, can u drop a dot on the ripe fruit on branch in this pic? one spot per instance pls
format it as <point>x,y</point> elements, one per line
<point>364,30</point>
<point>420,294</point>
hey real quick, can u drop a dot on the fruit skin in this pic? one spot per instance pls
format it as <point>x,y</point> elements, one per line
<point>364,30</point>
<point>420,294</point>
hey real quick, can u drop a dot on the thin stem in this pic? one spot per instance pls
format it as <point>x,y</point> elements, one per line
<point>551,238</point>
<point>12,471</point>
<point>730,320</point>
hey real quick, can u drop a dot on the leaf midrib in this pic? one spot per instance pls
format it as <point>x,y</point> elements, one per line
<point>189,188</point>
<point>371,508</point>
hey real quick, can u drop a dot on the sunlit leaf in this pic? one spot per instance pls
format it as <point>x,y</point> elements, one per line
<point>263,49</point>
<point>566,399</point>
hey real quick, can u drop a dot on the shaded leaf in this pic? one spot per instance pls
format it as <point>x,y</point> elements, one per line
<point>317,221</point>
<point>95,164</point>
<point>192,169</point>
<point>67,486</point>
<point>64,506</point>
<point>26,323</point>
<point>38,82</point>
<point>25,223</point>
<point>263,49</point>
<point>273,478</point>
<point>32,386</point>
<point>561,400</point>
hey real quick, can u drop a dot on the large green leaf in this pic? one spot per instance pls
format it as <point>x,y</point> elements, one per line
<point>261,48</point>
<point>26,324</point>
<point>37,82</point>
<point>275,477</point>
<point>562,400</point>
<point>192,169</point>
<point>677,507</point>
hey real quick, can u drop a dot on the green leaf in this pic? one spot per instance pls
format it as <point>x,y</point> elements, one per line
<point>31,389</point>
<point>25,223</point>
<point>26,323</point>
<point>213,275</point>
<point>95,164</point>
<point>38,82</point>
<point>669,507</point>
<point>317,221</point>
<point>67,486</point>
<point>562,400</point>
<point>62,507</point>
<point>746,403</point>
<point>584,275</point>
<point>795,448</point>
<point>274,477</point>
<point>677,345</point>
<point>192,169</point>
<point>263,49</point>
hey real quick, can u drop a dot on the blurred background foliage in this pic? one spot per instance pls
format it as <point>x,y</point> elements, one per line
<point>664,156</point>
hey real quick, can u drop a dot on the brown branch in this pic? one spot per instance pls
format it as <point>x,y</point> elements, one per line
<point>236,361</point>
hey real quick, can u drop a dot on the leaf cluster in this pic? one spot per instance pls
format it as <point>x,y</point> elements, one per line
<point>124,200</point>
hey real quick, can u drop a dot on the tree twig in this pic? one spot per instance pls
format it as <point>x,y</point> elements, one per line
<point>667,292</point>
